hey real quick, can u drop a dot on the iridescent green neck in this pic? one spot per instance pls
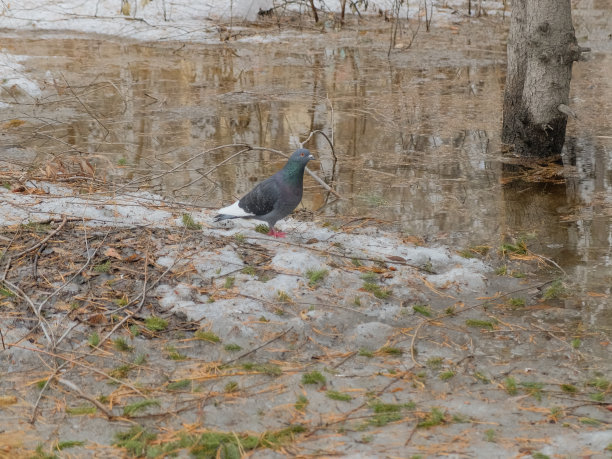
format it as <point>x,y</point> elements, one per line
<point>293,172</point>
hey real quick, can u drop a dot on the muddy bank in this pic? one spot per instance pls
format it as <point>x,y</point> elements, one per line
<point>335,340</point>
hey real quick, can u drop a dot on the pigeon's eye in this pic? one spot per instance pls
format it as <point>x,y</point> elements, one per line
<point>301,154</point>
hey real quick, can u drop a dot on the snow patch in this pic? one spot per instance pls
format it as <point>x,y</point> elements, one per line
<point>186,20</point>
<point>296,260</point>
<point>14,80</point>
<point>217,264</point>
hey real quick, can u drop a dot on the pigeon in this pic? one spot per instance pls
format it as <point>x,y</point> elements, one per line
<point>275,197</point>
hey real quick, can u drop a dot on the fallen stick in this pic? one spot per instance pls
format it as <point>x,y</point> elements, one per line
<point>259,347</point>
<point>49,236</point>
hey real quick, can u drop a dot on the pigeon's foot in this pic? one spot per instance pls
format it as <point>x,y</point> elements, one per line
<point>275,233</point>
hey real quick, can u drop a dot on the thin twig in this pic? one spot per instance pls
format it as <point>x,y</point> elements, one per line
<point>178,166</point>
<point>552,262</point>
<point>416,332</point>
<point>85,106</point>
<point>311,173</point>
<point>41,320</point>
<point>314,11</point>
<point>68,330</point>
<point>10,259</point>
<point>43,241</point>
<point>411,434</point>
<point>40,394</point>
<point>76,362</point>
<point>442,316</point>
<point>346,416</point>
<point>331,144</point>
<point>87,262</point>
<point>350,356</point>
<point>70,385</point>
<point>336,254</point>
<point>7,267</point>
<point>146,287</point>
<point>258,347</point>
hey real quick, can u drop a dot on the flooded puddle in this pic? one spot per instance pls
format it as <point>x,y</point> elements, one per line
<point>416,136</point>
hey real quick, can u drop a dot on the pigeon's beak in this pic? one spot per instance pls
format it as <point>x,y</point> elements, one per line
<point>310,157</point>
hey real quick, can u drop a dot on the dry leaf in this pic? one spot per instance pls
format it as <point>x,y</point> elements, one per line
<point>61,251</point>
<point>51,170</point>
<point>413,240</point>
<point>125,8</point>
<point>6,400</point>
<point>97,319</point>
<point>60,89</point>
<point>34,190</point>
<point>597,295</point>
<point>86,167</point>
<point>13,124</point>
<point>396,258</point>
<point>111,252</point>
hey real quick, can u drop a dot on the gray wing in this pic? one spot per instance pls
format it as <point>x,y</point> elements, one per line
<point>262,199</point>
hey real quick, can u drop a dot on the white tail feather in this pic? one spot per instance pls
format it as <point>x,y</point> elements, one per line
<point>235,211</point>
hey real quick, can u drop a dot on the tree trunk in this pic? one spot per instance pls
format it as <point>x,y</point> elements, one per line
<point>541,49</point>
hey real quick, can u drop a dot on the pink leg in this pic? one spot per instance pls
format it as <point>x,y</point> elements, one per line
<point>275,233</point>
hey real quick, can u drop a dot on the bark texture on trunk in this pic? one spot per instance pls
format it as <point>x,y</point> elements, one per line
<point>541,50</point>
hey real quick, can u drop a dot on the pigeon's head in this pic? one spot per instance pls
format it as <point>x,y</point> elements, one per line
<point>301,156</point>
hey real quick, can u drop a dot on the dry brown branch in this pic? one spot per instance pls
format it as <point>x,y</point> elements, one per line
<point>205,174</point>
<point>10,259</point>
<point>412,341</point>
<point>246,148</point>
<point>73,387</point>
<point>259,347</point>
<point>42,322</point>
<point>314,11</point>
<point>178,166</point>
<point>336,254</point>
<point>43,241</point>
<point>348,357</point>
<point>552,262</point>
<point>411,434</point>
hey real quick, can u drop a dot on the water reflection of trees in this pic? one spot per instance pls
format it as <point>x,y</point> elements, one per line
<point>417,141</point>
